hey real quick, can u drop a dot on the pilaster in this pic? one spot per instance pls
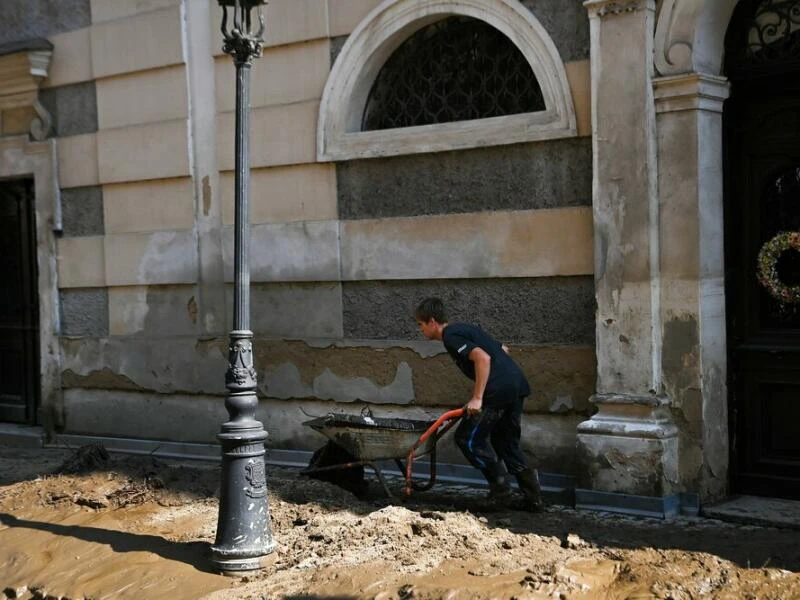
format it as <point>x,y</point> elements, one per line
<point>624,196</point>
<point>630,445</point>
<point>689,109</point>
<point>202,129</point>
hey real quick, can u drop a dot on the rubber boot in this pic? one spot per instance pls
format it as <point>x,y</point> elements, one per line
<point>529,486</point>
<point>500,494</point>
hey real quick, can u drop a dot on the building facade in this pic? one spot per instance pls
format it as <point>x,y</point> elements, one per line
<point>597,184</point>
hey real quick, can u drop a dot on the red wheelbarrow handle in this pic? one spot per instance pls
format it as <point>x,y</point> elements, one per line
<point>448,416</point>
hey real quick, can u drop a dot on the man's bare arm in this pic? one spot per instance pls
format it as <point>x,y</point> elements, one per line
<point>483,365</point>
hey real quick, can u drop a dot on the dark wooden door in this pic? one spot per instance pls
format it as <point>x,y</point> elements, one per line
<point>19,304</point>
<point>762,208</point>
<point>762,203</point>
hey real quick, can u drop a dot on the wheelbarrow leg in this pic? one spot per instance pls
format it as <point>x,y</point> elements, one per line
<point>381,478</point>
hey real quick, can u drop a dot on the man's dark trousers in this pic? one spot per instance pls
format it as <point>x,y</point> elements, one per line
<point>491,438</point>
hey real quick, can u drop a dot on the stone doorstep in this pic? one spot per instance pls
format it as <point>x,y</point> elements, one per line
<point>754,510</point>
<point>21,436</point>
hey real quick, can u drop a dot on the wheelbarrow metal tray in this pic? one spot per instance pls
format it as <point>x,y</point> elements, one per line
<point>374,438</point>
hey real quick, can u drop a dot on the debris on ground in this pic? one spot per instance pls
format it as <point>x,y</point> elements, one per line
<point>139,527</point>
<point>85,459</point>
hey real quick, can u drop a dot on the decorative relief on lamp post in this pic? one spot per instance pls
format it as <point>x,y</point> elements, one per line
<point>241,373</point>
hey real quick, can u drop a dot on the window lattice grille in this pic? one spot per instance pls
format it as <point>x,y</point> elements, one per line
<point>774,34</point>
<point>454,70</point>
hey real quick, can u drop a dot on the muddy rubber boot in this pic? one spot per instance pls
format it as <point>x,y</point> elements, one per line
<point>529,486</point>
<point>500,494</point>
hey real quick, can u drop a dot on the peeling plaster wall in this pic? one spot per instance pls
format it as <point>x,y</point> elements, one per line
<point>547,441</point>
<point>629,466</point>
<point>113,384</point>
<point>562,376</point>
<point>681,371</point>
<point>136,339</point>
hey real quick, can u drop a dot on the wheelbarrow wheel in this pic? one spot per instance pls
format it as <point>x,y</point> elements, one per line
<point>350,478</point>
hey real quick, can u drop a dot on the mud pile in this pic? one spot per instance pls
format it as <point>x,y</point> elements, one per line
<point>138,527</point>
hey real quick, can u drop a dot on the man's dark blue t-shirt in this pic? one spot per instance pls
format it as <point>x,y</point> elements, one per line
<point>506,382</point>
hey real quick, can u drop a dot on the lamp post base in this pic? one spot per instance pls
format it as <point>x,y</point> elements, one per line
<point>233,566</point>
<point>244,532</point>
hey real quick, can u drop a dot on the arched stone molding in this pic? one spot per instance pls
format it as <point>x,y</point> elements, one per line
<point>690,36</point>
<point>375,39</point>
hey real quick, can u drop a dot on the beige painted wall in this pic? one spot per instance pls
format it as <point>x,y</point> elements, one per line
<point>141,153</point>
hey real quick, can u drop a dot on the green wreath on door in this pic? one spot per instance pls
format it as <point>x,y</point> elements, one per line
<point>768,266</point>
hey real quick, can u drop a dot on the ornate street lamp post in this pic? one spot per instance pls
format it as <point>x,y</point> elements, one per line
<point>244,534</point>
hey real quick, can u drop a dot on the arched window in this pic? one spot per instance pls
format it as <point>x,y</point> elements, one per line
<point>434,75</point>
<point>457,69</point>
<point>770,35</point>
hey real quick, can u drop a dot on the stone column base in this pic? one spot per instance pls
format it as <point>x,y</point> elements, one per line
<point>629,446</point>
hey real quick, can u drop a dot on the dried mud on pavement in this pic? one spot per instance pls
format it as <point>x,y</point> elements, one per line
<point>139,527</point>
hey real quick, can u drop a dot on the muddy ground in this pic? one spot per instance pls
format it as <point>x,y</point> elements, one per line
<point>138,527</point>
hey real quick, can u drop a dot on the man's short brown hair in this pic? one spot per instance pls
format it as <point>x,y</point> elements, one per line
<point>431,308</point>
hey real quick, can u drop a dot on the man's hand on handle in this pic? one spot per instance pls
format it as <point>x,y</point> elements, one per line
<point>473,407</point>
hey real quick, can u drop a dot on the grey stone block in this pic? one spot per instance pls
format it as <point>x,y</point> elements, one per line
<point>552,310</point>
<point>73,108</point>
<point>84,312</point>
<point>25,19</point>
<point>82,211</point>
<point>336,47</point>
<point>295,310</point>
<point>522,176</point>
<point>567,22</point>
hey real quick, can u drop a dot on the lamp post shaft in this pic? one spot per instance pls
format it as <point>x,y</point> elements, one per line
<point>241,293</point>
<point>244,533</point>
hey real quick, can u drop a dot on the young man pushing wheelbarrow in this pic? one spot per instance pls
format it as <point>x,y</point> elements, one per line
<point>489,433</point>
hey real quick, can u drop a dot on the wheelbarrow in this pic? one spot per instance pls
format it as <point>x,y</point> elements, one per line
<point>370,440</point>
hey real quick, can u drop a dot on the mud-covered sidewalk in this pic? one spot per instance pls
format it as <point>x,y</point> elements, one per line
<point>139,527</point>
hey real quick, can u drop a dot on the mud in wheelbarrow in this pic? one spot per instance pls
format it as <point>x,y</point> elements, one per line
<point>365,441</point>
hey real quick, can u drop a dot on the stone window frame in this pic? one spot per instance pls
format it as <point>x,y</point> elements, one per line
<point>339,135</point>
